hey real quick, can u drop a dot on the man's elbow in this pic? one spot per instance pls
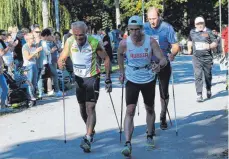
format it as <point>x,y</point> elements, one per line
<point>175,48</point>
<point>107,61</point>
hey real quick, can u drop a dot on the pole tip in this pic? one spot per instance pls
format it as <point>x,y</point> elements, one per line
<point>176,133</point>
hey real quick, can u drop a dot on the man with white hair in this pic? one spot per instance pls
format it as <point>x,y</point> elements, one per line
<point>138,49</point>
<point>84,51</point>
<point>201,41</point>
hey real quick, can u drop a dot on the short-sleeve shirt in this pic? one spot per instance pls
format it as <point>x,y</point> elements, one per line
<point>199,39</point>
<point>7,57</point>
<point>164,34</point>
<point>30,50</point>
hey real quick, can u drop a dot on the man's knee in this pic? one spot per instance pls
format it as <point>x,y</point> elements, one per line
<point>130,110</point>
<point>149,108</point>
<point>90,106</point>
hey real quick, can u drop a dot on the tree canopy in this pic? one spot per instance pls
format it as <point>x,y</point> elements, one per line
<point>101,13</point>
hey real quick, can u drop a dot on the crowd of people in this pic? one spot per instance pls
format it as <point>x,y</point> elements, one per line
<point>36,52</point>
<point>148,49</point>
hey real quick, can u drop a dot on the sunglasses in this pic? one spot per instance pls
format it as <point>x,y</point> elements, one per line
<point>3,34</point>
<point>79,35</point>
<point>37,32</point>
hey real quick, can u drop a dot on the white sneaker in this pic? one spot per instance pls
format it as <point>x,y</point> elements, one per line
<point>51,93</point>
<point>59,94</point>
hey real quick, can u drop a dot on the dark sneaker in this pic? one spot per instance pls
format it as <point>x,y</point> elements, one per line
<point>199,98</point>
<point>85,145</point>
<point>154,134</point>
<point>126,151</point>
<point>209,94</point>
<point>163,124</point>
<point>92,136</point>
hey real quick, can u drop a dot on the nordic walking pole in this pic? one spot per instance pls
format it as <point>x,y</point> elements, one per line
<point>165,101</point>
<point>114,110</point>
<point>121,111</point>
<point>174,103</point>
<point>65,141</point>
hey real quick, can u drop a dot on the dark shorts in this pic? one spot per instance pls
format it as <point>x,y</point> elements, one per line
<point>87,89</point>
<point>147,90</point>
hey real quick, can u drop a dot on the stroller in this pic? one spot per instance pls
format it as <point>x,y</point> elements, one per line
<point>17,94</point>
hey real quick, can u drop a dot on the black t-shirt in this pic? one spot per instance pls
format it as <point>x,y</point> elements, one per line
<point>199,39</point>
<point>18,51</point>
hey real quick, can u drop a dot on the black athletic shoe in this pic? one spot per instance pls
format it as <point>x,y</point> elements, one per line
<point>163,124</point>
<point>85,145</point>
<point>92,136</point>
<point>209,94</point>
<point>154,134</point>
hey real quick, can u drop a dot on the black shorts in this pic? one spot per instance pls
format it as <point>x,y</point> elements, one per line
<point>147,90</point>
<point>87,89</point>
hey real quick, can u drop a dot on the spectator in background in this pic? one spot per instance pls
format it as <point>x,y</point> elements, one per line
<point>96,35</point>
<point>48,49</point>
<point>24,32</point>
<point>18,59</point>
<point>225,50</point>
<point>3,83</point>
<point>30,53</point>
<point>58,43</point>
<point>6,40</point>
<point>218,50</point>
<point>69,66</point>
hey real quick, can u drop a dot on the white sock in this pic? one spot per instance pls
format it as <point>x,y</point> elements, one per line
<point>88,137</point>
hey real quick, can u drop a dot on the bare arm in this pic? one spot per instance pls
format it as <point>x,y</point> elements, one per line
<point>63,56</point>
<point>158,53</point>
<point>175,49</point>
<point>29,56</point>
<point>103,54</point>
<point>4,51</point>
<point>223,42</point>
<point>213,45</point>
<point>189,47</point>
<point>121,51</point>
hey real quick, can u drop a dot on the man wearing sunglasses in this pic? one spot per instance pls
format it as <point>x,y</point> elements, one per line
<point>84,51</point>
<point>165,35</point>
<point>139,73</point>
<point>201,41</point>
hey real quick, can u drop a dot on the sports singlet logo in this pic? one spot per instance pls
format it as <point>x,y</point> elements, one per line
<point>205,35</point>
<point>139,55</point>
<point>74,50</point>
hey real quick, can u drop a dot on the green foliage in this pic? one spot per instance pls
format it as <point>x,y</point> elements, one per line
<point>23,13</point>
<point>101,13</point>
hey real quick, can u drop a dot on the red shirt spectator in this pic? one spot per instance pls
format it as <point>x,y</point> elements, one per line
<point>225,38</point>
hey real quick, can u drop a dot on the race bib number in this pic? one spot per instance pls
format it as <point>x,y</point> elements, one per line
<point>200,46</point>
<point>80,70</point>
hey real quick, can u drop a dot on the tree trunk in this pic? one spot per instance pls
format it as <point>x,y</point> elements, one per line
<point>45,14</point>
<point>117,9</point>
<point>57,15</point>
